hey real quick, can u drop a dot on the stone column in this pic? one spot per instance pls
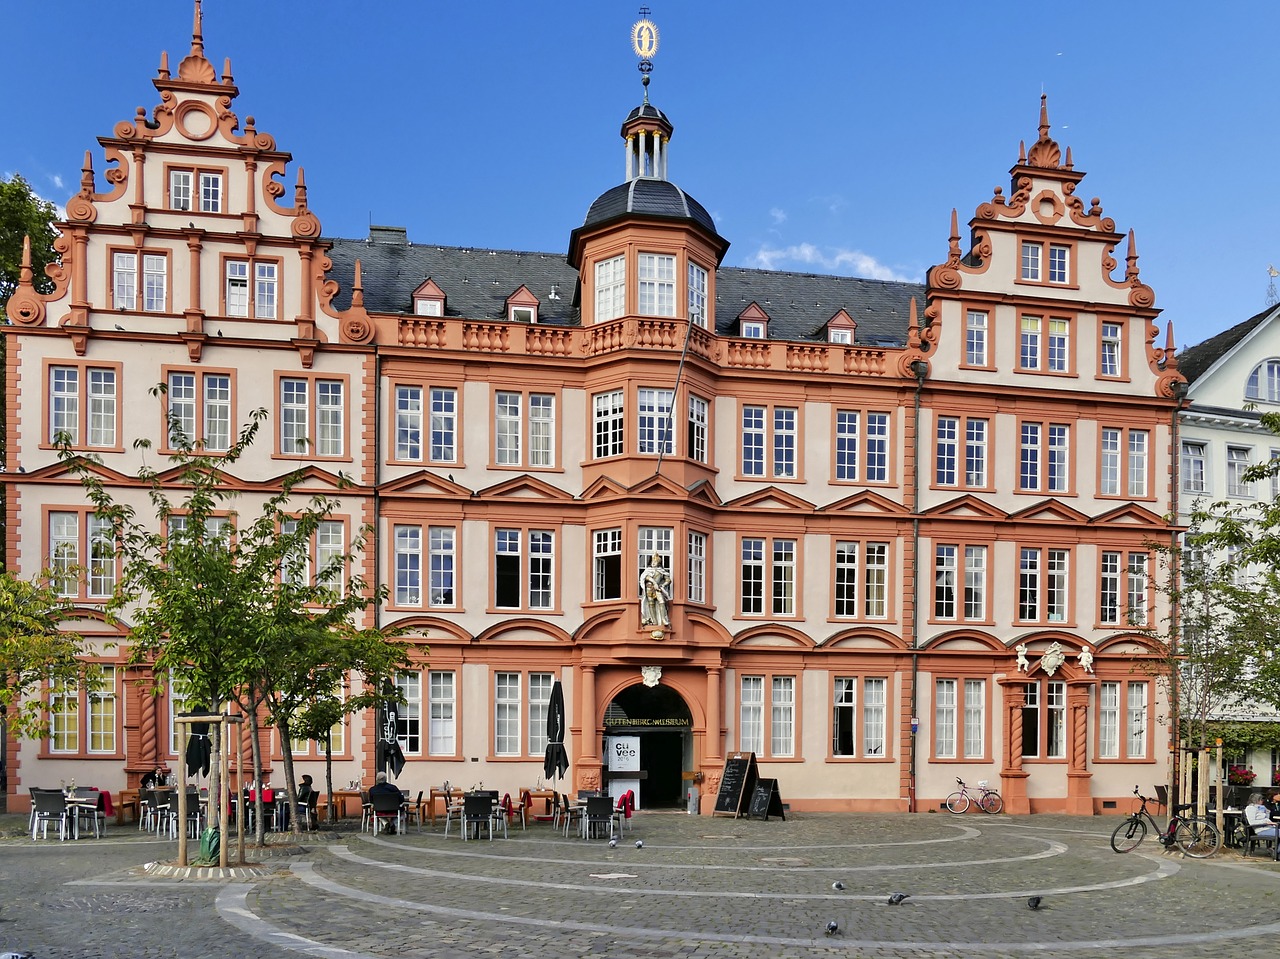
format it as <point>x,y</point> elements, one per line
<point>1013,778</point>
<point>1079,779</point>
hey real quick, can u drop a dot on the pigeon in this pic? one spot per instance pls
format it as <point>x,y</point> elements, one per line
<point>837,885</point>
<point>639,843</point>
<point>897,898</point>
<point>833,927</point>
<point>119,327</point>
<point>613,844</point>
<point>1034,902</point>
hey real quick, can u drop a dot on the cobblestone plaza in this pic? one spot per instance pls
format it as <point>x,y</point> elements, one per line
<point>700,886</point>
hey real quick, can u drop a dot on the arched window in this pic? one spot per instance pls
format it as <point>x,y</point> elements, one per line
<point>1264,382</point>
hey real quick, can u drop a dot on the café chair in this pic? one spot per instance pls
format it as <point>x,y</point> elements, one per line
<point>477,811</point>
<point>386,809</point>
<point>366,811</point>
<point>1263,834</point>
<point>568,814</point>
<point>48,806</point>
<point>86,804</point>
<point>598,817</point>
<point>413,809</point>
<point>1162,798</point>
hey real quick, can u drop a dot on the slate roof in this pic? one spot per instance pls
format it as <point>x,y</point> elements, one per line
<point>1194,361</point>
<point>648,197</point>
<point>477,283</point>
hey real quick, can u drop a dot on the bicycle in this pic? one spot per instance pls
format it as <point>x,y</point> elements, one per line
<point>1197,838</point>
<point>989,801</point>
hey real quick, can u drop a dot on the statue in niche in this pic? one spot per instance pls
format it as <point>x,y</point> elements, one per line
<point>655,593</point>
<point>1085,659</point>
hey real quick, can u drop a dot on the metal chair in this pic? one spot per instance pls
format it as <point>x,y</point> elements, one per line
<point>87,807</point>
<point>568,813</point>
<point>477,811</point>
<point>49,805</point>
<point>599,815</point>
<point>366,811</point>
<point>1162,798</point>
<point>413,810</point>
<point>387,807</point>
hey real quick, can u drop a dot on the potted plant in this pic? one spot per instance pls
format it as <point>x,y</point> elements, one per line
<point>1240,775</point>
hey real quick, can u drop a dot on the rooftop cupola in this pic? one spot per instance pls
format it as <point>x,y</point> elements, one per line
<point>647,133</point>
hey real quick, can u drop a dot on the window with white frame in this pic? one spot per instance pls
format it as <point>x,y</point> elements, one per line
<point>64,718</point>
<point>1031,255</point>
<point>408,423</point>
<point>1136,582</point>
<point>782,719</point>
<point>1059,263</point>
<point>1033,266</point>
<point>947,466</point>
<point>265,277</point>
<point>751,329</point>
<point>82,555</point>
<point>312,417</point>
<point>1044,720</point>
<point>442,704</point>
<point>1193,472</point>
<point>91,389</point>
<point>948,603</point>
<point>1264,382</point>
<point>408,565</point>
<point>697,300</point>
<point>179,702</point>
<point>200,409</point>
<point>656,276</point>
<point>774,726</point>
<point>506,714</point>
<point>840,334</point>
<point>1109,587</point>
<point>611,288</point>
<point>861,580</point>
<point>522,582</point>
<point>1042,585</point>
<point>696,441</point>
<point>769,442</point>
<point>697,591</point>
<point>975,338</point>
<point>771,562</point>
<point>959,719</point>
<point>539,701</point>
<point>652,541</point>
<point>1044,457</point>
<point>845,738</point>
<point>751,715</point>
<point>862,446</point>
<point>1111,347</point>
<point>608,422</point>
<point>206,185</point>
<point>1134,480</point>
<point>100,724</point>
<point>145,273</point>
<point>409,713</point>
<point>1045,345</point>
<point>1237,465</point>
<point>442,559</point>
<point>653,422</point>
<point>1136,721</point>
<point>607,564</point>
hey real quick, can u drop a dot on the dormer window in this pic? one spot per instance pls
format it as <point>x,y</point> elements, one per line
<point>841,328</point>
<point>840,335</point>
<point>428,300</point>
<point>751,329</point>
<point>522,306</point>
<point>753,323</point>
<point>524,314</point>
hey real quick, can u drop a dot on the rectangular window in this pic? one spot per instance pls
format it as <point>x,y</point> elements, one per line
<point>64,719</point>
<point>975,583</point>
<point>944,718</point>
<point>1029,457</point>
<point>442,733</point>
<point>844,715</point>
<point>697,301</point>
<point>1059,356</point>
<point>975,453</point>
<point>74,534</point>
<point>751,330</point>
<point>846,445</point>
<point>975,718</point>
<point>1108,720</point>
<point>1136,721</point>
<point>608,422</point>
<point>506,714</point>
<point>607,564</point>
<point>753,440</point>
<point>237,293</point>
<point>1193,460</point>
<point>1042,585</point>
<point>1110,356</point>
<point>304,401</point>
<point>93,389</point>
<point>696,441</point>
<point>511,446</point>
<point>784,577</point>
<point>539,700</point>
<point>210,192</point>
<point>101,721</point>
<point>409,713</point>
<point>697,567</point>
<point>844,719</point>
<point>1237,464</point>
<point>656,276</point>
<point>1030,347</point>
<point>124,281</point>
<point>155,276</point>
<point>408,565</point>
<point>611,288</point>
<point>444,425</point>
<point>1109,462</point>
<point>541,565</point>
<point>518,584</point>
<point>1044,721</point>
<point>1137,462</point>
<point>876,575</point>
<point>409,423</point>
<point>653,422</point>
<point>780,576</point>
<point>874,706</point>
<point>1057,472</point>
<point>960,719</point>
<point>1059,263</point>
<point>944,578</point>
<point>784,443</point>
<point>975,339</point>
<point>506,429</point>
<point>782,720</point>
<point>877,447</point>
<point>1031,262</point>
<point>1109,588</point>
<point>507,576</point>
<point>264,304</point>
<point>752,576</point>
<point>861,580</point>
<point>153,281</point>
<point>264,291</point>
<point>769,442</point>
<point>200,410</point>
<point>542,420</point>
<point>871,441</point>
<point>1044,458</point>
<point>1136,581</point>
<point>1135,476</point>
<point>947,451</point>
<point>180,189</point>
<point>440,540</point>
<point>751,715</point>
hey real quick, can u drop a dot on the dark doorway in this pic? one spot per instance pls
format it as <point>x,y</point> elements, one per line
<point>662,756</point>
<point>659,717</point>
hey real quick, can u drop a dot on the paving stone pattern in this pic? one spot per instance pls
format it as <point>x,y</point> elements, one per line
<point>700,887</point>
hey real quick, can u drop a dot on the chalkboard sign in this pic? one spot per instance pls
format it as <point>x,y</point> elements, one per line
<point>766,801</point>
<point>736,783</point>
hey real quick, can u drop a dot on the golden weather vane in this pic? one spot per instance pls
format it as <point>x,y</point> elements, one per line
<point>644,41</point>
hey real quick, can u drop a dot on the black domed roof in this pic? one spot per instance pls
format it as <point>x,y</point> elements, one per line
<point>646,111</point>
<point>646,196</point>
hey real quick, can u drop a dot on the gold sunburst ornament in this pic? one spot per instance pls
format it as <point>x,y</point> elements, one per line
<point>644,38</point>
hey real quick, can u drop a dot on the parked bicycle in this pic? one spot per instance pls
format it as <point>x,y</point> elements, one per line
<point>1196,837</point>
<point>988,800</point>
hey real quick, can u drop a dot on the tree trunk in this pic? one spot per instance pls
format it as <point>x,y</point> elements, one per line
<point>291,791</point>
<point>328,774</point>
<point>255,748</point>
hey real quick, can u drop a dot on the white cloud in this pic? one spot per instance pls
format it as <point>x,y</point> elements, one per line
<point>57,182</point>
<point>779,216</point>
<point>843,261</point>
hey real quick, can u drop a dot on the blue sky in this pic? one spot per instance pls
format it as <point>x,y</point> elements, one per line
<point>829,137</point>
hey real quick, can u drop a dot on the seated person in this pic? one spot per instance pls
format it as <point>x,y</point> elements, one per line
<point>382,787</point>
<point>305,789</point>
<point>1257,815</point>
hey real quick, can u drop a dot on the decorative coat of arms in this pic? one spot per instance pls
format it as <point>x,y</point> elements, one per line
<point>651,675</point>
<point>1053,658</point>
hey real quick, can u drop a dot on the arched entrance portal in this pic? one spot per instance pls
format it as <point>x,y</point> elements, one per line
<point>656,723</point>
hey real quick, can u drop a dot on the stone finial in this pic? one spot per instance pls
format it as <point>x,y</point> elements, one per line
<point>164,65</point>
<point>86,175</point>
<point>194,67</point>
<point>300,190</point>
<point>226,71</point>
<point>357,286</point>
<point>953,242</point>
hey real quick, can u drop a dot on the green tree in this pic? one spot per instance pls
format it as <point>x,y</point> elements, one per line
<point>22,214</point>
<point>33,649</point>
<point>212,599</point>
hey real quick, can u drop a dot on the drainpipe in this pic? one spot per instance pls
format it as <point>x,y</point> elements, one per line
<point>377,481</point>
<point>1175,443</point>
<point>921,369</point>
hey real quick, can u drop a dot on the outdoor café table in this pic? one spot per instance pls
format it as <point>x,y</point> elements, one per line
<point>128,799</point>
<point>442,794</point>
<point>339,797</point>
<point>547,795</point>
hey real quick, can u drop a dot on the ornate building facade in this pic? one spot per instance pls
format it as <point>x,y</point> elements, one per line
<point>904,529</point>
